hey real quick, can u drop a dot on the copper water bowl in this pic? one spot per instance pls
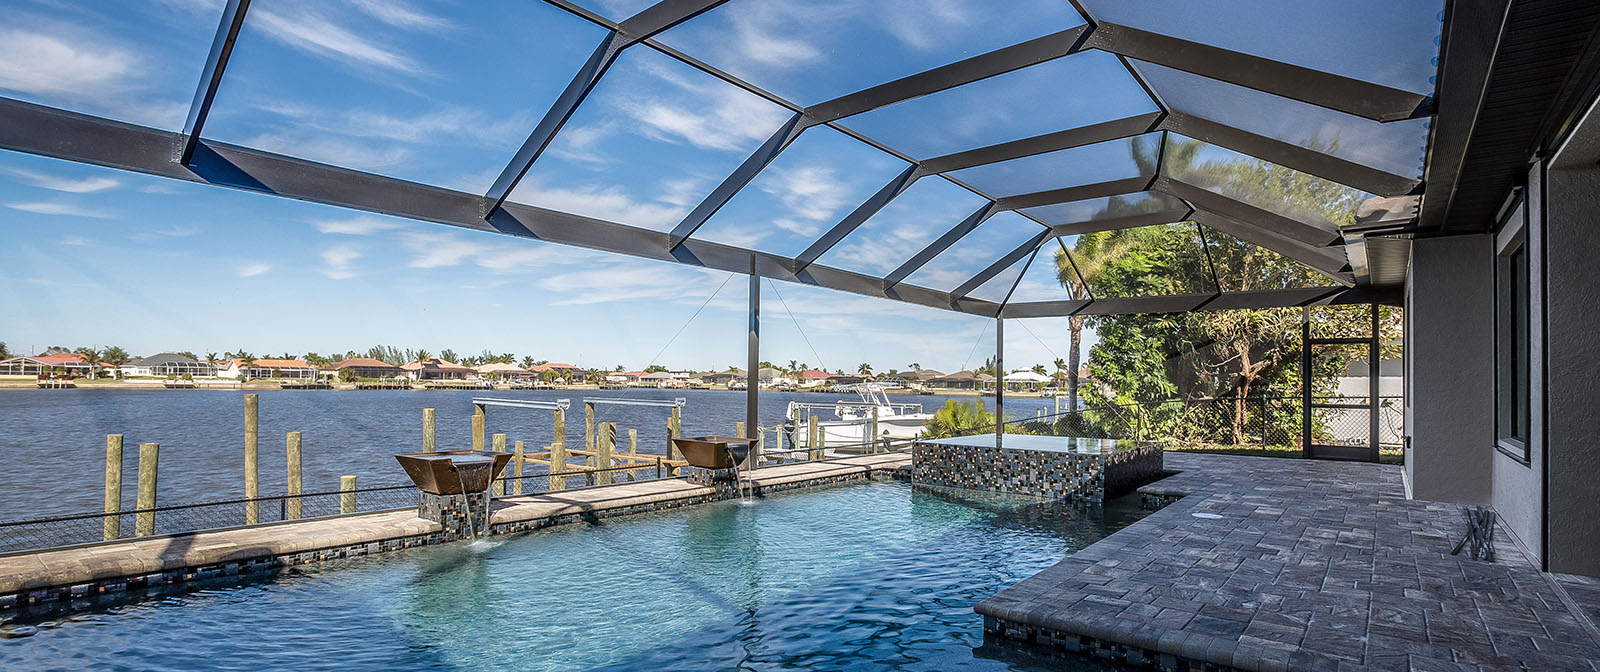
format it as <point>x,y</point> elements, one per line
<point>453,472</point>
<point>714,452</point>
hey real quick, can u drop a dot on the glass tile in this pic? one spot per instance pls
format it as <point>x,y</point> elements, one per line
<point>1243,267</point>
<point>1050,277</point>
<point>1380,41</point>
<point>975,251</point>
<point>814,183</point>
<point>1397,147</point>
<point>1089,164</point>
<point>137,62</point>
<point>1265,185</point>
<point>1106,207</point>
<point>904,227</point>
<point>997,288</point>
<point>652,140</point>
<point>433,92</point>
<point>1084,88</point>
<point>1160,260</point>
<point>816,50</point>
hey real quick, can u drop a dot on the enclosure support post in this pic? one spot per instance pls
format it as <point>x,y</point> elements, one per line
<point>428,444</point>
<point>752,390</point>
<point>252,477</point>
<point>999,375</point>
<point>113,523</point>
<point>674,431</point>
<point>144,524</point>
<point>291,505</point>
<point>1305,381</point>
<point>1373,348</point>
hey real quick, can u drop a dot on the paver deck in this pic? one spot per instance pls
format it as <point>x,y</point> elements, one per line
<point>1302,565</point>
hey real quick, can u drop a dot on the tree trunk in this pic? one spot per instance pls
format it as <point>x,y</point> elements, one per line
<point>1076,324</point>
<point>1246,376</point>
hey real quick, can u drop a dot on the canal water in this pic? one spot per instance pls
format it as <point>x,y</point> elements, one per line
<point>53,442</point>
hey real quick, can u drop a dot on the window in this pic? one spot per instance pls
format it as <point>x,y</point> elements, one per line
<point>1512,352</point>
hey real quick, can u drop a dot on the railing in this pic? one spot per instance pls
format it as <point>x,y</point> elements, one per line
<point>1252,421</point>
<point>90,528</point>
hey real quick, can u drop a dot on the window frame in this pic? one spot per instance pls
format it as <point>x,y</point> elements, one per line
<point>1511,255</point>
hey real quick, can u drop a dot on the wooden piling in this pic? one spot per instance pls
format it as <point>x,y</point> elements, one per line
<point>813,447</point>
<point>478,417</point>
<point>428,425</point>
<point>738,429</point>
<point>760,447</point>
<point>499,447</point>
<point>674,431</point>
<point>872,439</point>
<point>605,445</point>
<point>558,452</point>
<point>252,474</point>
<point>633,450</point>
<point>779,433</point>
<point>347,494</point>
<point>588,426</point>
<point>516,469</point>
<point>291,506</point>
<point>144,524</point>
<point>113,523</point>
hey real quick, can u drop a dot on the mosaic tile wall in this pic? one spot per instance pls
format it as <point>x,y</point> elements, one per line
<point>1042,473</point>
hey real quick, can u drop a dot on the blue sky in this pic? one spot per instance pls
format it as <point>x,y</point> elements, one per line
<point>443,92</point>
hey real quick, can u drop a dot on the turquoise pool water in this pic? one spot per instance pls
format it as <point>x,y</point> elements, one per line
<point>867,576</point>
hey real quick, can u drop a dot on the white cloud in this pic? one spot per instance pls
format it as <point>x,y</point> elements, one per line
<point>319,36</point>
<point>250,270</point>
<point>336,261</point>
<point>43,64</point>
<point>809,192</point>
<point>76,241</point>
<point>332,151</point>
<point>400,14</point>
<point>611,203</point>
<point>357,226</point>
<point>702,112</point>
<point>65,209</point>
<point>84,185</point>
<point>441,249</point>
<point>179,231</point>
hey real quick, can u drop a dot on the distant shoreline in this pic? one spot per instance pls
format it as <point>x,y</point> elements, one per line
<point>31,384</point>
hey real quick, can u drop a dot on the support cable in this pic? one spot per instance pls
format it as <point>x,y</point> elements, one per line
<point>690,320</point>
<point>803,336</point>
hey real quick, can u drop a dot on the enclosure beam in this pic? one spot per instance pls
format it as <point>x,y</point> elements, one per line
<point>1001,264</point>
<point>1119,223</point>
<point>211,77</point>
<point>941,244</point>
<point>730,186</point>
<point>1314,235</point>
<point>1335,92</point>
<point>857,217</point>
<point>62,134</point>
<point>1041,144</point>
<point>1289,155</point>
<point>1077,193</point>
<point>982,66</point>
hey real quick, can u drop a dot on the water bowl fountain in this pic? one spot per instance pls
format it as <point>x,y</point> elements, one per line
<point>455,487</point>
<point>715,461</point>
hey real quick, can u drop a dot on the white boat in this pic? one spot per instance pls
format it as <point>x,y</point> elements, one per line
<point>848,429</point>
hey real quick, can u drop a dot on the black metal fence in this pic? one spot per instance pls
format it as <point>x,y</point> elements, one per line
<point>1249,422</point>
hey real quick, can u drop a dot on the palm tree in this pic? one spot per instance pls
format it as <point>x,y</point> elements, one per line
<point>527,362</point>
<point>915,366</point>
<point>794,367</point>
<point>1039,369</point>
<point>864,369</point>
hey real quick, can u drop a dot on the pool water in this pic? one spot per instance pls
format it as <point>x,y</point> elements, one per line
<point>865,576</point>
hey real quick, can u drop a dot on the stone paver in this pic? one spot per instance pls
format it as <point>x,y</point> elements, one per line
<point>1301,565</point>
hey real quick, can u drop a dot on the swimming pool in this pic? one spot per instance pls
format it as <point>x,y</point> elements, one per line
<point>865,576</point>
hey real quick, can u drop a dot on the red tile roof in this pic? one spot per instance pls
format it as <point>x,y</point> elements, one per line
<point>263,363</point>
<point>363,361</point>
<point>541,368</point>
